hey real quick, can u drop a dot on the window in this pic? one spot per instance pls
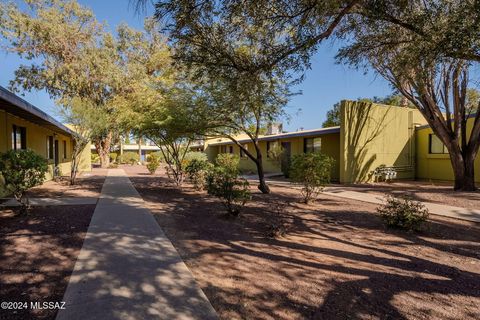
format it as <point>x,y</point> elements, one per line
<point>435,145</point>
<point>230,149</point>
<point>64,149</point>
<point>268,148</point>
<point>50,147</point>
<point>19,138</point>
<point>312,145</point>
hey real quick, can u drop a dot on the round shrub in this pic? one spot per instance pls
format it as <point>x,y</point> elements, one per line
<point>229,162</point>
<point>22,170</point>
<point>153,163</point>
<point>129,158</point>
<point>197,172</point>
<point>113,156</point>
<point>403,213</point>
<point>312,171</point>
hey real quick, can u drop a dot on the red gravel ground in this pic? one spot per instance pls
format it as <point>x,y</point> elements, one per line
<point>88,184</point>
<point>37,255</point>
<point>337,260</point>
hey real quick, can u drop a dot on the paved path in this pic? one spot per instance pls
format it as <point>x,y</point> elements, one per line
<point>66,201</point>
<point>434,208</point>
<point>127,268</point>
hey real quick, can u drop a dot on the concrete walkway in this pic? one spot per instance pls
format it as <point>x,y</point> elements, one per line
<point>434,208</point>
<point>127,268</point>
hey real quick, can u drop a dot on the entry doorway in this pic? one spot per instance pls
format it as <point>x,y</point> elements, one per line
<point>55,154</point>
<point>286,158</point>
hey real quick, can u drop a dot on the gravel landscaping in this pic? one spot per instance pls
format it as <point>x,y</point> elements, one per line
<point>336,260</point>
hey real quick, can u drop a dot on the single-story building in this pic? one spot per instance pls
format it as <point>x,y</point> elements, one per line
<point>370,136</point>
<point>24,126</point>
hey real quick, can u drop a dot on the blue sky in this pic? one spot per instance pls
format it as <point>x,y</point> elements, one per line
<point>325,84</point>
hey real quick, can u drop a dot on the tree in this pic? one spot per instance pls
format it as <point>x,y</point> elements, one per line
<point>241,66</point>
<point>70,54</point>
<point>87,122</point>
<point>333,116</point>
<point>155,101</point>
<point>407,51</point>
<point>395,99</point>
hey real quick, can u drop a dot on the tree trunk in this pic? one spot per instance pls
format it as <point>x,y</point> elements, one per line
<point>463,171</point>
<point>262,186</point>
<point>103,149</point>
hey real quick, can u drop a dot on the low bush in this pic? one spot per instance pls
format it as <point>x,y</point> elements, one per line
<point>129,158</point>
<point>94,158</point>
<point>223,182</point>
<point>228,161</point>
<point>22,170</point>
<point>197,171</point>
<point>153,163</point>
<point>312,171</point>
<point>113,166</point>
<point>195,155</point>
<point>113,156</point>
<point>403,213</point>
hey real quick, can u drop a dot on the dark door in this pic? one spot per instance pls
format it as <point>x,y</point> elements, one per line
<point>286,155</point>
<point>55,157</point>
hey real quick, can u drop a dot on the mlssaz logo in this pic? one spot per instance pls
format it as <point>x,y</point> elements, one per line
<point>49,305</point>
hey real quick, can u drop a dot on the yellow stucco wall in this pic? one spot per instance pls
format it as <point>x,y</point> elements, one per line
<point>329,146</point>
<point>36,140</point>
<point>437,166</point>
<point>372,135</point>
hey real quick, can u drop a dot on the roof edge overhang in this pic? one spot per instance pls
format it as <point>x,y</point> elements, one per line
<point>296,134</point>
<point>37,116</point>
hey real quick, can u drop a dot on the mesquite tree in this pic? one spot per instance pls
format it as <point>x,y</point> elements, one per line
<point>70,53</point>
<point>403,43</point>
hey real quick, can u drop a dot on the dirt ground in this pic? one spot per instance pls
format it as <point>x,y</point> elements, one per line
<point>37,255</point>
<point>89,184</point>
<point>423,191</point>
<point>337,260</point>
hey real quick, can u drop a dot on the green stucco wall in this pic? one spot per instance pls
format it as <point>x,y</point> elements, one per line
<point>437,166</point>
<point>372,135</point>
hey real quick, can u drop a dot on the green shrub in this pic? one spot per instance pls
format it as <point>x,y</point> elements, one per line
<point>312,171</point>
<point>403,213</point>
<point>153,163</point>
<point>157,154</point>
<point>94,158</point>
<point>113,156</point>
<point>224,183</point>
<point>129,158</point>
<point>195,155</point>
<point>22,170</point>
<point>228,161</point>
<point>197,172</point>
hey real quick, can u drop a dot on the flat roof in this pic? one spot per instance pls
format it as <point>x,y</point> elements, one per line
<point>13,104</point>
<point>424,126</point>
<point>295,134</point>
